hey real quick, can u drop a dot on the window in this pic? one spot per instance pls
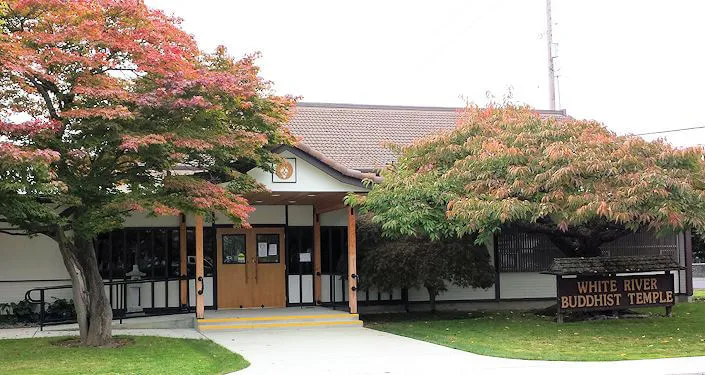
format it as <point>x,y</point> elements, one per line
<point>208,251</point>
<point>234,250</point>
<point>299,249</point>
<point>334,248</point>
<point>525,252</point>
<point>642,243</point>
<point>174,259</point>
<point>267,248</point>
<point>117,261</point>
<point>155,251</point>
<point>533,252</point>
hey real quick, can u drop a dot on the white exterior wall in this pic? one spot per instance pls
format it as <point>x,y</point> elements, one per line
<point>30,262</point>
<point>303,294</point>
<point>14,291</point>
<point>526,285</point>
<point>142,220</point>
<point>339,289</point>
<point>308,179</point>
<point>337,218</point>
<point>30,258</point>
<point>300,216</point>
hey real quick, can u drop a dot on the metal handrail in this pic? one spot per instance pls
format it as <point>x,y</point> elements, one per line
<point>122,292</point>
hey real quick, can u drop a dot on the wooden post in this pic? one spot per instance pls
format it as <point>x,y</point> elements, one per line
<point>183,298</point>
<point>199,268</point>
<point>669,309</point>
<point>352,262</point>
<point>316,259</point>
<point>688,247</point>
<point>560,316</point>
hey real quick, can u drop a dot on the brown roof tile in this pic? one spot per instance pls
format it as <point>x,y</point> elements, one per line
<point>354,135</point>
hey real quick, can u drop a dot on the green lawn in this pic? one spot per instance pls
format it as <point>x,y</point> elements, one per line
<point>146,355</point>
<point>529,336</point>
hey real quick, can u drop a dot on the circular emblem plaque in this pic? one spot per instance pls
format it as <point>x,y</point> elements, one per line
<point>284,170</point>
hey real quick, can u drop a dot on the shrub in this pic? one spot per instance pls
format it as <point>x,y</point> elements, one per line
<point>61,309</point>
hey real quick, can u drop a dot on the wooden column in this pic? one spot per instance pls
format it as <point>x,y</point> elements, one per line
<point>183,298</point>
<point>316,259</point>
<point>352,262</point>
<point>199,268</point>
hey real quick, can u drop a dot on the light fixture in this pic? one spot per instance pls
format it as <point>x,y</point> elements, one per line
<point>276,195</point>
<point>258,201</point>
<point>292,201</point>
<point>310,195</point>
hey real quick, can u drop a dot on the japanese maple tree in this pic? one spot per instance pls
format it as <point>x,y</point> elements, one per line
<point>406,262</point>
<point>572,180</point>
<point>100,101</point>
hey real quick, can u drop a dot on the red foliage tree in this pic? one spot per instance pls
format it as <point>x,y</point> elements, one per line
<point>572,180</point>
<point>100,101</point>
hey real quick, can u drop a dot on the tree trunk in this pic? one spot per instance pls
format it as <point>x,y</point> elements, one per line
<point>432,293</point>
<point>93,311</point>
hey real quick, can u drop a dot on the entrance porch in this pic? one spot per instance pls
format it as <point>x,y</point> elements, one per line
<point>278,262</point>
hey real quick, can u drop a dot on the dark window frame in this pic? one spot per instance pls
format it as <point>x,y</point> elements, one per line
<point>266,260</point>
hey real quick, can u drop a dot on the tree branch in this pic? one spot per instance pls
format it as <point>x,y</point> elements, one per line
<point>45,95</point>
<point>5,231</point>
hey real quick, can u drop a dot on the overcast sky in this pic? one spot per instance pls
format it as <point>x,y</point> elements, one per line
<point>637,66</point>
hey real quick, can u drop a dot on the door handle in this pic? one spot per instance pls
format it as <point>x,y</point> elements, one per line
<point>200,280</point>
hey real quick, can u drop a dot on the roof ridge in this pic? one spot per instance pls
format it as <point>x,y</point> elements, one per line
<point>403,107</point>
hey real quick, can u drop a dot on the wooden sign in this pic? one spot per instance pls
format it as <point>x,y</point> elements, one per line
<point>595,293</point>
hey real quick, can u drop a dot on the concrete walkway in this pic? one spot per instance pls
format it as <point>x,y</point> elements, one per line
<point>359,351</point>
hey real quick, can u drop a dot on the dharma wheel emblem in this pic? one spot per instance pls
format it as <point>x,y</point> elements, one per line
<point>284,170</point>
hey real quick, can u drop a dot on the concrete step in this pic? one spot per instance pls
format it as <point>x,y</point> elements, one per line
<point>279,321</point>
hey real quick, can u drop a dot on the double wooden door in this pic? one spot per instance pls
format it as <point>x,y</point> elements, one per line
<point>251,267</point>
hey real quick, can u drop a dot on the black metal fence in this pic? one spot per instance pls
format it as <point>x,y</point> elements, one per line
<point>118,293</point>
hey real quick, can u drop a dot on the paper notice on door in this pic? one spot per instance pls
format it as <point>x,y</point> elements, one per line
<point>272,249</point>
<point>262,249</point>
<point>304,257</point>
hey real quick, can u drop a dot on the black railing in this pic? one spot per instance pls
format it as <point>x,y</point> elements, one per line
<point>118,291</point>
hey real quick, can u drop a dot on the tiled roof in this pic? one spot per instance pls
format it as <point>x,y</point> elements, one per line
<point>611,265</point>
<point>354,135</point>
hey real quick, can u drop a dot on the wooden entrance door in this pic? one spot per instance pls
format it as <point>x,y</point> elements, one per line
<point>251,267</point>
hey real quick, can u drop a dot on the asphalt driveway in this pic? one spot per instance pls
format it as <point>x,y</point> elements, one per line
<point>359,351</point>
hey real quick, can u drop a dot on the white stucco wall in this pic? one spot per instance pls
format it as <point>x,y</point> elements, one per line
<point>141,219</point>
<point>308,179</point>
<point>263,214</point>
<point>300,289</point>
<point>526,285</point>
<point>30,262</point>
<point>337,218</point>
<point>300,216</point>
<point>30,258</point>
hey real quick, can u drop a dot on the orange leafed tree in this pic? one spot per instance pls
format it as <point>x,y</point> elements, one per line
<point>572,180</point>
<point>99,102</point>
